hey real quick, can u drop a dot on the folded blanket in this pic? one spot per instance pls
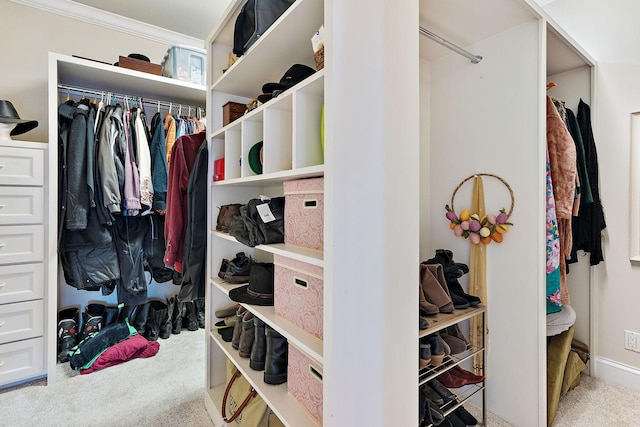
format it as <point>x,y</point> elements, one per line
<point>132,348</point>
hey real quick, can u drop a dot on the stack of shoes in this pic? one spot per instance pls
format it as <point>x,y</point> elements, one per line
<point>452,272</point>
<point>226,325</point>
<point>237,270</point>
<point>459,416</point>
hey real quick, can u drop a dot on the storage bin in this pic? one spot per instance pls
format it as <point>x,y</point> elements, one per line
<point>304,381</point>
<point>299,293</point>
<point>304,213</point>
<point>185,63</point>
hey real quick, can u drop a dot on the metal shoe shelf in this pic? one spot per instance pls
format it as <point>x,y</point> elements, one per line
<point>439,322</point>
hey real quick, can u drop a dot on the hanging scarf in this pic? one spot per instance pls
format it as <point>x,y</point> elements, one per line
<point>478,276</point>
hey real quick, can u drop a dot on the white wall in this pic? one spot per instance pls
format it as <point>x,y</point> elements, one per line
<point>485,119</point>
<point>28,34</point>
<point>618,283</point>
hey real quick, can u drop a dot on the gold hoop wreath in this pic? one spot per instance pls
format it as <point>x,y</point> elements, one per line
<point>478,229</point>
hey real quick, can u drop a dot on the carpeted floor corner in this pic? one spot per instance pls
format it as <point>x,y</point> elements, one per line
<point>164,390</point>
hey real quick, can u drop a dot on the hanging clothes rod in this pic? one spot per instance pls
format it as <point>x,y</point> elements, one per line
<point>473,58</point>
<point>102,95</point>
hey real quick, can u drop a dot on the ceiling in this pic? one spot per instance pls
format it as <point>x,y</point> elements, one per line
<point>194,18</point>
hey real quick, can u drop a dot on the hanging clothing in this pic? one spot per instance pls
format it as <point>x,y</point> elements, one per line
<point>195,246</point>
<point>159,167</point>
<point>562,159</point>
<point>590,221</point>
<point>554,303</point>
<point>183,155</point>
<point>169,134</point>
<point>144,166</point>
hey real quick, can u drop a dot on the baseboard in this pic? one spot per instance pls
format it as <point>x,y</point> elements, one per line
<point>615,372</point>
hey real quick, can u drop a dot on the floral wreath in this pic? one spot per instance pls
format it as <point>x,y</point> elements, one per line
<point>480,230</point>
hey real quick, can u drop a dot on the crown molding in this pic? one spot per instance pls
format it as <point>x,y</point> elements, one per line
<point>112,21</point>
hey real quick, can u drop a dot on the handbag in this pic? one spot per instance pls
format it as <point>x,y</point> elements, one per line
<point>254,19</point>
<point>242,405</point>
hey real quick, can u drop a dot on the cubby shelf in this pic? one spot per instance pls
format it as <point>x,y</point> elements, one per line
<point>276,396</point>
<point>302,339</point>
<point>299,253</point>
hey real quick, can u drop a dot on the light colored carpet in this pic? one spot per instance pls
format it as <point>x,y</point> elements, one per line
<point>168,390</point>
<point>164,390</point>
<point>594,403</point>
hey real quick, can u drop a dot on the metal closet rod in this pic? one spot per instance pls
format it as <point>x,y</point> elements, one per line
<point>77,90</point>
<point>446,43</point>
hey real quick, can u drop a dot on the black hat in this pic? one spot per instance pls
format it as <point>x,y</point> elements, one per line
<point>8,114</point>
<point>294,75</point>
<point>255,157</point>
<point>259,291</point>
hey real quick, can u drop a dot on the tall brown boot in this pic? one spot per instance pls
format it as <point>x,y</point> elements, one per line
<point>433,290</point>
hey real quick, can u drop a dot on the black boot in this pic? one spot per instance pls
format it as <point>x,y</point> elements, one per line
<point>176,317</point>
<point>92,319</point>
<point>68,320</point>
<point>155,319</point>
<point>191,318</point>
<point>140,317</point>
<point>275,365</point>
<point>259,347</point>
<point>165,328</point>
<point>199,302</point>
<point>111,314</point>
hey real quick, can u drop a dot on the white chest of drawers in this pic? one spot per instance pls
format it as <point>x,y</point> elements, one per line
<point>22,261</point>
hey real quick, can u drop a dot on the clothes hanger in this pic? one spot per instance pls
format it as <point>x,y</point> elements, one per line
<point>551,85</point>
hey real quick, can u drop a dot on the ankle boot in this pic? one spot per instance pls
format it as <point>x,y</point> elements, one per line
<point>259,347</point>
<point>176,316</point>
<point>437,350</point>
<point>92,319</point>
<point>247,335</point>
<point>237,328</point>
<point>190,321</point>
<point>156,317</point>
<point>199,302</point>
<point>275,365</point>
<point>68,320</point>
<point>111,314</point>
<point>434,291</point>
<point>425,354</point>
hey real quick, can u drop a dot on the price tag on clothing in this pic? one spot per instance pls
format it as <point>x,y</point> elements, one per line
<point>265,213</point>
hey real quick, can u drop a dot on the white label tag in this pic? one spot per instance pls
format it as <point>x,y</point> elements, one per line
<point>265,213</point>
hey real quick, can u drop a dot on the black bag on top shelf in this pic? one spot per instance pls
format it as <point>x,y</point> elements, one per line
<point>255,18</point>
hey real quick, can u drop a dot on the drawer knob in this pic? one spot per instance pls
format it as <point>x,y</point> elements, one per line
<point>1,245</point>
<point>2,206</point>
<point>1,324</point>
<point>1,363</point>
<point>2,285</point>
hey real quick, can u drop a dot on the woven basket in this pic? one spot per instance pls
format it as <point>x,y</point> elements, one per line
<point>319,58</point>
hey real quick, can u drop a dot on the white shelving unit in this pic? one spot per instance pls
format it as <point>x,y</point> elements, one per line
<point>78,72</point>
<point>289,127</point>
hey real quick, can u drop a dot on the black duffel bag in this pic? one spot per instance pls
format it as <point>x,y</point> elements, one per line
<point>255,18</point>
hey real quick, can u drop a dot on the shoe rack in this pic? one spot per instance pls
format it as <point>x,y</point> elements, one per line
<point>465,393</point>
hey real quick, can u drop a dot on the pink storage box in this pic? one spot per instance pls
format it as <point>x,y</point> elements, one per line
<point>304,213</point>
<point>299,293</point>
<point>304,381</point>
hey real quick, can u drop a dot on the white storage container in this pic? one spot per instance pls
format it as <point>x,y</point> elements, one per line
<point>185,63</point>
